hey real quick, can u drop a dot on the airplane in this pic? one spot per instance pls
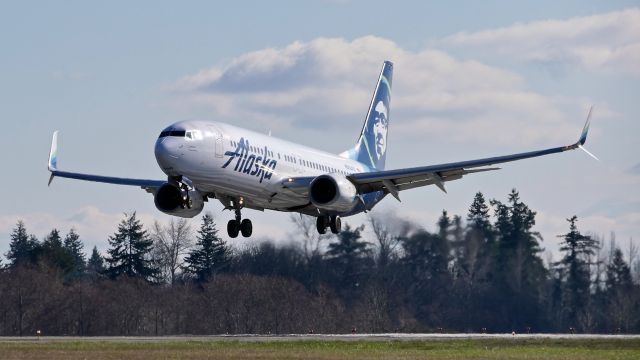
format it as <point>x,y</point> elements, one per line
<point>245,169</point>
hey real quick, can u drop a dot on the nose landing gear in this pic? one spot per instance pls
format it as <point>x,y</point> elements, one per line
<point>239,225</point>
<point>333,222</point>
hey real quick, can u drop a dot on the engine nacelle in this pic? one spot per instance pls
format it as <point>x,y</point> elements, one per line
<point>333,192</point>
<point>172,200</point>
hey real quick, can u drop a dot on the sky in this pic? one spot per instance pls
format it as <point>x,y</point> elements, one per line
<point>472,79</point>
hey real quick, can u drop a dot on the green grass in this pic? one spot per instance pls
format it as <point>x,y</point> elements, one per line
<point>315,349</point>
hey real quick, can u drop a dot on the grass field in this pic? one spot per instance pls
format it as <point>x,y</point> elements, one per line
<point>317,349</point>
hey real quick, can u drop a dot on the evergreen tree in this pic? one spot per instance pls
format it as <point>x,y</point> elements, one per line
<point>129,252</point>
<point>444,224</point>
<point>426,263</point>
<point>618,272</point>
<point>478,216</point>
<point>575,273</point>
<point>23,248</point>
<point>620,295</point>
<point>210,253</point>
<point>54,253</point>
<point>95,264</point>
<point>348,258</point>
<point>74,247</point>
<point>519,271</point>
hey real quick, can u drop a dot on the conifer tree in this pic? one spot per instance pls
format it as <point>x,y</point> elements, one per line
<point>22,247</point>
<point>74,247</point>
<point>210,254</point>
<point>54,253</point>
<point>478,216</point>
<point>348,256</point>
<point>575,272</point>
<point>519,270</point>
<point>130,251</point>
<point>95,264</point>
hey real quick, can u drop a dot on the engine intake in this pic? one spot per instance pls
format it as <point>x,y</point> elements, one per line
<point>172,200</point>
<point>333,192</point>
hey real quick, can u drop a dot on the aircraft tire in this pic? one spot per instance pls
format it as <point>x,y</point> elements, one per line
<point>321,224</point>
<point>335,224</point>
<point>246,227</point>
<point>233,229</point>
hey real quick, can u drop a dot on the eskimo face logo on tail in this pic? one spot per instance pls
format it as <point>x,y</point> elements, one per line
<point>251,163</point>
<point>380,125</point>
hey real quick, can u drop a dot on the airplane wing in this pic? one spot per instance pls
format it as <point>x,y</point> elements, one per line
<point>393,181</point>
<point>148,185</point>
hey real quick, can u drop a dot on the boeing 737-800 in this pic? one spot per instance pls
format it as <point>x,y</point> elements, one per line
<point>246,169</point>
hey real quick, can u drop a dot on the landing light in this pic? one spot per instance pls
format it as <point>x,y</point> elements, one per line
<point>290,179</point>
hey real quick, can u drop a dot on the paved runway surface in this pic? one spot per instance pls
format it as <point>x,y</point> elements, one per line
<point>327,337</point>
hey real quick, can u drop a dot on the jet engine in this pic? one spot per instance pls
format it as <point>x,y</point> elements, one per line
<point>333,192</point>
<point>174,200</point>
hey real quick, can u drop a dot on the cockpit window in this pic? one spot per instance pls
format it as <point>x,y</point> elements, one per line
<point>179,133</point>
<point>193,135</point>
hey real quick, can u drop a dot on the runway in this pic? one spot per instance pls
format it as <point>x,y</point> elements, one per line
<point>318,337</point>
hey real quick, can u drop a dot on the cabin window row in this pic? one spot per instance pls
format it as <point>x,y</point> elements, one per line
<point>293,159</point>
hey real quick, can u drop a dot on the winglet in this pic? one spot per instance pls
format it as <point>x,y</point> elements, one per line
<point>583,136</point>
<point>53,156</point>
<point>585,130</point>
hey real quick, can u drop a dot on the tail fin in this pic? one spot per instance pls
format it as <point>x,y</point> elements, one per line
<point>371,147</point>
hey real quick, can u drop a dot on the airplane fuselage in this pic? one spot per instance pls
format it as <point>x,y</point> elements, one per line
<point>228,162</point>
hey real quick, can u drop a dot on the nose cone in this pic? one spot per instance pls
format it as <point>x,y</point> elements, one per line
<point>167,155</point>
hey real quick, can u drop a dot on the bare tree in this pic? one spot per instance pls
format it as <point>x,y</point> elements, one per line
<point>171,243</point>
<point>311,240</point>
<point>388,231</point>
<point>634,262</point>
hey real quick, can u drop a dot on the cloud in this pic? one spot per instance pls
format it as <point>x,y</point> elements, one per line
<point>93,225</point>
<point>609,42</point>
<point>635,170</point>
<point>316,85</point>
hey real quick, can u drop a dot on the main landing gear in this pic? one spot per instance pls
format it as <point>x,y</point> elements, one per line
<point>239,225</point>
<point>333,222</point>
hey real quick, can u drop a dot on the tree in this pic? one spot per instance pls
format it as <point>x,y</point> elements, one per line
<point>387,241</point>
<point>74,247</point>
<point>619,286</point>
<point>170,245</point>
<point>478,216</point>
<point>426,262</point>
<point>210,253</point>
<point>575,273</point>
<point>348,256</point>
<point>54,253</point>
<point>95,264</point>
<point>518,269</point>
<point>130,251</point>
<point>22,247</point>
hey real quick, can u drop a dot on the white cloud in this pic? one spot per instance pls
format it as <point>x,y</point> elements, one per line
<point>318,84</point>
<point>93,225</point>
<point>608,41</point>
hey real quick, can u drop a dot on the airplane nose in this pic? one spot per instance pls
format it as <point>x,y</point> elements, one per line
<point>167,154</point>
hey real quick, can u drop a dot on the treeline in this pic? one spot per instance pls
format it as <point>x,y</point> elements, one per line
<point>483,272</point>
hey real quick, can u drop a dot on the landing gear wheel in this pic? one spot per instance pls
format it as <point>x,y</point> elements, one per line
<point>233,229</point>
<point>335,224</point>
<point>246,227</point>
<point>321,224</point>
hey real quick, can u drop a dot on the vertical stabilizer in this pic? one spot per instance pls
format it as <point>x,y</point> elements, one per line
<point>371,147</point>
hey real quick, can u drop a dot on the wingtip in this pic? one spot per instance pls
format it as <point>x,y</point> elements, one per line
<point>53,153</point>
<point>585,129</point>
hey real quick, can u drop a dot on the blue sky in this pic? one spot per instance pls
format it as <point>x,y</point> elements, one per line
<point>472,79</point>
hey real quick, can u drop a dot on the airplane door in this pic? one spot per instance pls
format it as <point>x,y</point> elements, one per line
<point>219,146</point>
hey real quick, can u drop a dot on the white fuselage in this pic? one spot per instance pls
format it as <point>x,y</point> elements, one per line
<point>208,155</point>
